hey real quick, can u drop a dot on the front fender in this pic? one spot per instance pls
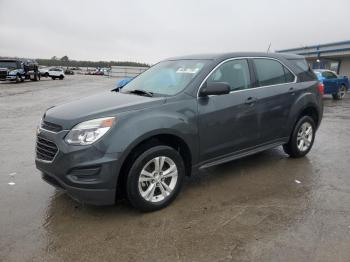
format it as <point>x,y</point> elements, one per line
<point>169,119</point>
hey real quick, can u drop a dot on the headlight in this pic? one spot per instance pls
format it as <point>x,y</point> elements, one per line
<point>13,73</point>
<point>90,131</point>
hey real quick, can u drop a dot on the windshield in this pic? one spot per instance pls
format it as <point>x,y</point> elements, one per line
<point>166,78</point>
<point>8,64</point>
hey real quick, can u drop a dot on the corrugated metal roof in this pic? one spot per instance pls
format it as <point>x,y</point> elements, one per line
<point>330,49</point>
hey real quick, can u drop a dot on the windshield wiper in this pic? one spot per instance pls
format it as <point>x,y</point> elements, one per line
<point>141,92</point>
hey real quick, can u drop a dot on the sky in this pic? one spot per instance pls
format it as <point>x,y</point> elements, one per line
<point>152,30</point>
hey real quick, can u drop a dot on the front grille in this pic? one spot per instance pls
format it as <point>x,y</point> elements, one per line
<point>50,126</point>
<point>45,149</point>
<point>3,74</point>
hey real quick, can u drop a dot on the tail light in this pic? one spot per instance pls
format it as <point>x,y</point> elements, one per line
<point>321,88</point>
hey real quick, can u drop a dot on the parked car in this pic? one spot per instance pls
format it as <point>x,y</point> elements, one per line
<point>333,84</point>
<point>69,71</point>
<point>121,83</point>
<point>98,73</point>
<point>181,115</point>
<point>56,73</point>
<point>105,70</point>
<point>44,71</point>
<point>18,70</point>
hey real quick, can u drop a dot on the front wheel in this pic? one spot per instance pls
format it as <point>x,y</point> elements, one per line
<point>61,77</point>
<point>53,78</point>
<point>340,94</point>
<point>302,138</point>
<point>155,178</point>
<point>18,79</point>
<point>36,76</point>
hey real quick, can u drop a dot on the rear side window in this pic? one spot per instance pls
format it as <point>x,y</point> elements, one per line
<point>234,72</point>
<point>272,72</point>
<point>329,75</point>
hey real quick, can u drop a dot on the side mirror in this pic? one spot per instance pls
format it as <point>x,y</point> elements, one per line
<point>218,88</point>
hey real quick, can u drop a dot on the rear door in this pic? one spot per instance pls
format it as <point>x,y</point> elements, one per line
<point>276,95</point>
<point>228,123</point>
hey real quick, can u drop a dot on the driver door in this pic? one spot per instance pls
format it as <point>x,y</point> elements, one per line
<point>228,123</point>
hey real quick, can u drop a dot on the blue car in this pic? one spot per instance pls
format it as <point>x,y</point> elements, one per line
<point>333,84</point>
<point>121,83</point>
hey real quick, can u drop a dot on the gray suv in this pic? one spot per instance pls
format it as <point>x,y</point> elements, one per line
<point>181,115</point>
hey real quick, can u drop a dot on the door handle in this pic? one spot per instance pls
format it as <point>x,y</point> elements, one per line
<point>291,91</point>
<point>250,100</point>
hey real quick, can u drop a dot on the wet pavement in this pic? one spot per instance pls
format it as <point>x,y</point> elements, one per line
<point>265,207</point>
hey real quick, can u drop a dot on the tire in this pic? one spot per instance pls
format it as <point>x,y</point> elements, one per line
<point>162,188</point>
<point>36,76</point>
<point>46,74</point>
<point>340,94</point>
<point>18,79</point>
<point>61,77</point>
<point>53,78</point>
<point>301,141</point>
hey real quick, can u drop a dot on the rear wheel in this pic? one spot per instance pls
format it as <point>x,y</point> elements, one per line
<point>18,78</point>
<point>340,94</point>
<point>61,77</point>
<point>36,76</point>
<point>53,78</point>
<point>302,138</point>
<point>155,178</point>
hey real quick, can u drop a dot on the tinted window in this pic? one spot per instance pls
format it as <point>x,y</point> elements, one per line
<point>288,75</point>
<point>302,70</point>
<point>271,72</point>
<point>329,75</point>
<point>235,73</point>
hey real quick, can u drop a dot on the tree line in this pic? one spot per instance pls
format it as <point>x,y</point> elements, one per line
<point>65,61</point>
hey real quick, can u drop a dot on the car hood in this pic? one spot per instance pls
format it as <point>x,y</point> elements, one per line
<point>104,104</point>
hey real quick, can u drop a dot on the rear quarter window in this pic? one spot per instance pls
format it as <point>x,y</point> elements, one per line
<point>303,70</point>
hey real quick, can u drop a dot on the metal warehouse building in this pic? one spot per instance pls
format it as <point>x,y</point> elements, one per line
<point>333,56</point>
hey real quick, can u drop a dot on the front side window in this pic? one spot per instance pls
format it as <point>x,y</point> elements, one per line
<point>167,77</point>
<point>271,72</point>
<point>234,72</point>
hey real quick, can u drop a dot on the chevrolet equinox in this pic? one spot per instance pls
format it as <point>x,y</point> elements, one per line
<point>181,115</point>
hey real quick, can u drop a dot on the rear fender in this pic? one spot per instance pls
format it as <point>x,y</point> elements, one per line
<point>304,101</point>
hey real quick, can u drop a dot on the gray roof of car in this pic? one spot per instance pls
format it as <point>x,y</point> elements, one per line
<point>223,56</point>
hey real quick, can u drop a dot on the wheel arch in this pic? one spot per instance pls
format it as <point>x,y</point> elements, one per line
<point>305,105</point>
<point>147,141</point>
<point>310,110</point>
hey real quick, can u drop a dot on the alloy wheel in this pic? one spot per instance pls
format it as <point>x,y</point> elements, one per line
<point>158,179</point>
<point>342,92</point>
<point>305,136</point>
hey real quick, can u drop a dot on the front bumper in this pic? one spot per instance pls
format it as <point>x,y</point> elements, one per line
<point>86,173</point>
<point>9,77</point>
